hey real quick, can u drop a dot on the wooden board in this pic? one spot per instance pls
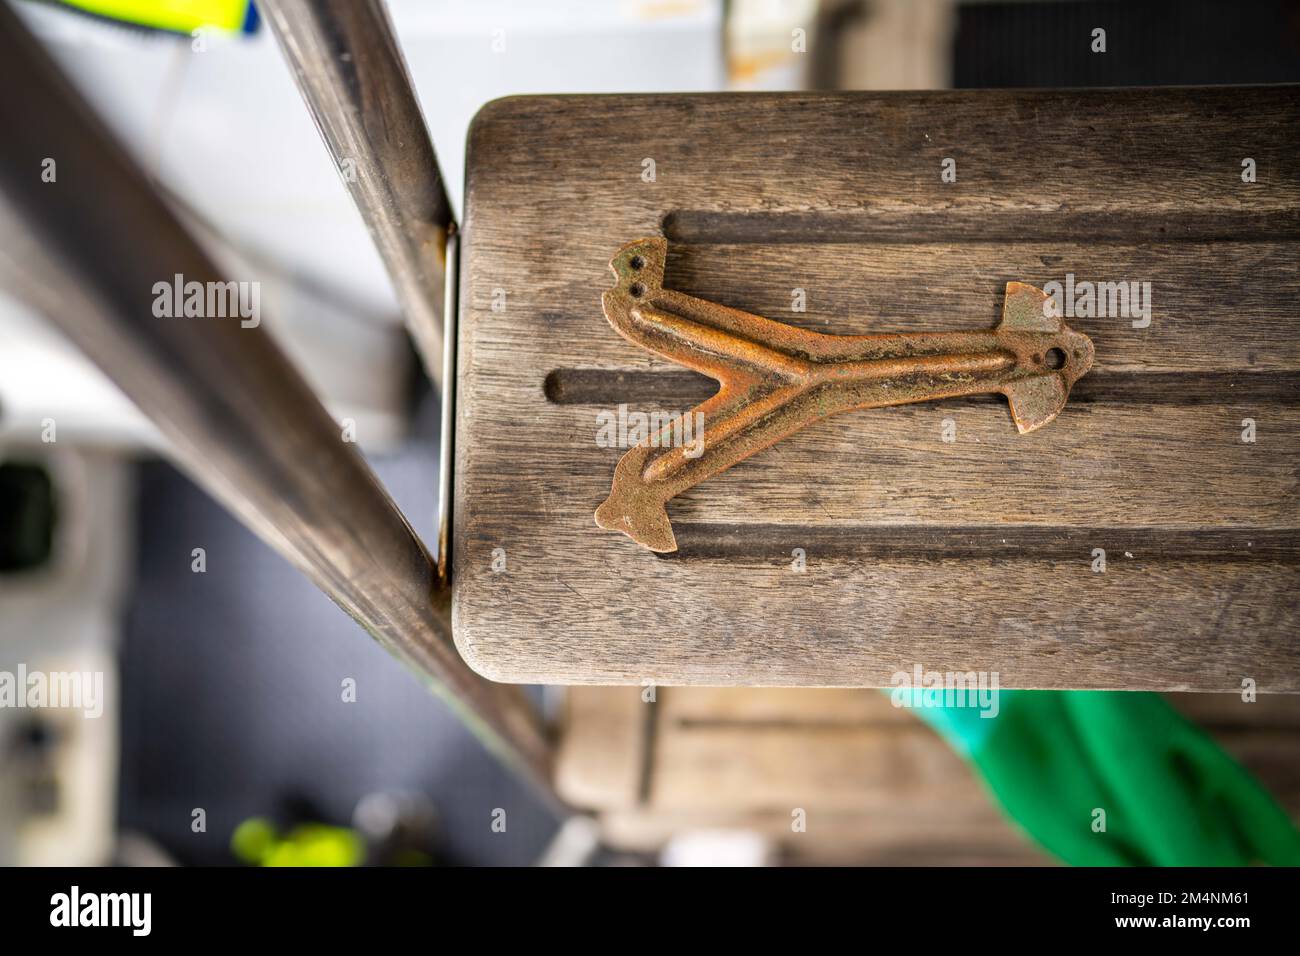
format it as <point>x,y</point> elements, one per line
<point>975,554</point>
<point>873,782</point>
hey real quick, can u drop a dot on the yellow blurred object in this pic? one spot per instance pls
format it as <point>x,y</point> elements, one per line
<point>181,16</point>
<point>257,842</point>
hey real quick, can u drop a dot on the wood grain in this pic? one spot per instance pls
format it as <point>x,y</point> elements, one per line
<point>969,555</point>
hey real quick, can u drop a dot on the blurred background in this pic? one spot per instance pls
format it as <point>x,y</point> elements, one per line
<point>224,737</point>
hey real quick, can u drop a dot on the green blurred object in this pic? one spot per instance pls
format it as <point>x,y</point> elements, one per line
<point>257,842</point>
<point>1116,778</point>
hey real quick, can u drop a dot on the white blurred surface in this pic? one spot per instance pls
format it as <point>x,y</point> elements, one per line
<point>225,131</point>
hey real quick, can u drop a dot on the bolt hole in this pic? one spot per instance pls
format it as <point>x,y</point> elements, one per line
<point>637,263</point>
<point>637,290</point>
<point>1055,358</point>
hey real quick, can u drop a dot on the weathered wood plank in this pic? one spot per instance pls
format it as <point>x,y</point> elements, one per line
<point>1197,296</point>
<point>1167,161</point>
<point>1174,467</point>
<point>973,554</point>
<point>847,623</point>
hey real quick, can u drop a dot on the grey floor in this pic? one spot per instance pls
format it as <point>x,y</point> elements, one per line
<point>232,690</point>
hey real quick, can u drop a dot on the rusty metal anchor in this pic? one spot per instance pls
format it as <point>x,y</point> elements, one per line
<point>777,378</point>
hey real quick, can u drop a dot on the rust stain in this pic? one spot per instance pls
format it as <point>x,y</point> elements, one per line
<point>776,378</point>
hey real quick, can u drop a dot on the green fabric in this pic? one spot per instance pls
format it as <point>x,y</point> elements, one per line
<point>1171,796</point>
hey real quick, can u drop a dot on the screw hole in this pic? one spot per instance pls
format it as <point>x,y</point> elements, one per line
<point>1055,358</point>
<point>637,263</point>
<point>637,290</point>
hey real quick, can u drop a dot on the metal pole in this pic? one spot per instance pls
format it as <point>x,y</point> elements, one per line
<point>349,69</point>
<point>241,418</point>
